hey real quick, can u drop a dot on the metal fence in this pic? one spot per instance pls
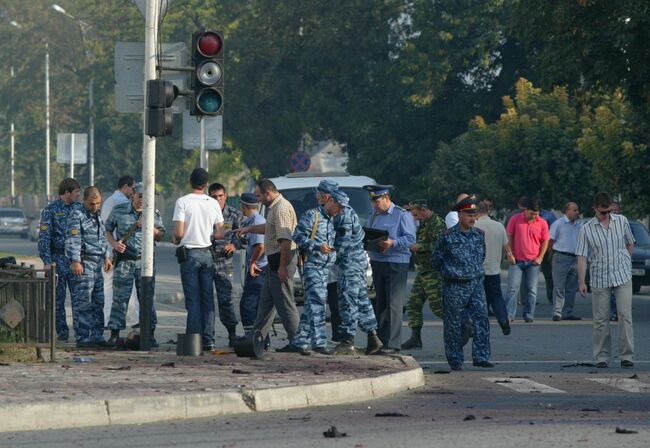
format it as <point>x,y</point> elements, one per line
<point>27,306</point>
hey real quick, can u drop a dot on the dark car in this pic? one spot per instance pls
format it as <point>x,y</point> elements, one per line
<point>13,222</point>
<point>640,256</point>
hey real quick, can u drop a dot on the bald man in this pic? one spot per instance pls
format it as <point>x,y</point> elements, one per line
<point>564,238</point>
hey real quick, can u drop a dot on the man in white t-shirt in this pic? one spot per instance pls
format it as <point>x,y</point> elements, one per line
<point>197,217</point>
<point>124,192</point>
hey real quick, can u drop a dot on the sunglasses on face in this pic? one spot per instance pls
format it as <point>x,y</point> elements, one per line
<point>604,212</point>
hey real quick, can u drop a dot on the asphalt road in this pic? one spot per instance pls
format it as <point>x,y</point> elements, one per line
<point>544,391</point>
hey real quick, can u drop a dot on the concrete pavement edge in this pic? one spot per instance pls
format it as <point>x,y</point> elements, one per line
<point>150,409</point>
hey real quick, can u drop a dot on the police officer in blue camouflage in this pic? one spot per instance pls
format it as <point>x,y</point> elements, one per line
<point>125,222</point>
<point>458,255</point>
<point>51,246</point>
<point>85,246</point>
<point>314,235</point>
<point>353,302</point>
<point>223,250</point>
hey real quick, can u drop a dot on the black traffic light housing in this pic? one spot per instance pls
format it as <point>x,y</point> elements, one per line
<point>159,120</point>
<point>207,76</point>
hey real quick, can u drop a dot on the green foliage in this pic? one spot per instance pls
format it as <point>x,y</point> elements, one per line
<point>531,150</point>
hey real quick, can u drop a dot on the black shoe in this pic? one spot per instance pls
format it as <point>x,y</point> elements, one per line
<point>346,345</point>
<point>322,351</point>
<point>556,318</point>
<point>115,336</point>
<point>154,343</point>
<point>601,365</point>
<point>374,343</point>
<point>87,344</point>
<point>232,336</point>
<point>505,328</point>
<point>208,348</point>
<point>62,338</point>
<point>289,348</point>
<point>456,366</point>
<point>485,364</point>
<point>572,318</point>
<point>103,344</point>
<point>415,341</point>
<point>627,363</point>
<point>528,320</point>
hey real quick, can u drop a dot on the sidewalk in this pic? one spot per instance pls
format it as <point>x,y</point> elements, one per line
<point>114,388</point>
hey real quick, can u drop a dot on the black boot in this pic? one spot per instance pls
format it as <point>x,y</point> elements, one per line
<point>374,343</point>
<point>346,345</point>
<point>232,335</point>
<point>415,341</point>
<point>115,336</point>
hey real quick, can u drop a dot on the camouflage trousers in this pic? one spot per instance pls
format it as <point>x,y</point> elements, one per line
<point>64,279</point>
<point>223,286</point>
<point>88,301</point>
<point>311,328</point>
<point>125,274</point>
<point>461,299</point>
<point>354,304</point>
<point>426,287</point>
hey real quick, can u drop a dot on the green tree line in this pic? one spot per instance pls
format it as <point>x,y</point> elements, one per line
<point>499,97</point>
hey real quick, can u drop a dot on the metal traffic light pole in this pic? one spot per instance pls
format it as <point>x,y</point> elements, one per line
<point>152,12</point>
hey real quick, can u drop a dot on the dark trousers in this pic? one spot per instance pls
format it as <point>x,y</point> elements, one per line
<point>250,299</point>
<point>494,296</point>
<point>547,272</point>
<point>390,285</point>
<point>223,286</point>
<point>333,304</point>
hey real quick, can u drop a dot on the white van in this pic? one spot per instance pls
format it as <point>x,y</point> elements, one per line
<point>298,188</point>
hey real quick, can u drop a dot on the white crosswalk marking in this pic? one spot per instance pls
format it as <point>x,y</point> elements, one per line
<point>626,384</point>
<point>525,385</point>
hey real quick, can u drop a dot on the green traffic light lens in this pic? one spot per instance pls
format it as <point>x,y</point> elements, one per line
<point>209,101</point>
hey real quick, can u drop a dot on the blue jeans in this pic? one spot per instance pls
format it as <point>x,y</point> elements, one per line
<point>515,273</point>
<point>494,297</point>
<point>197,274</point>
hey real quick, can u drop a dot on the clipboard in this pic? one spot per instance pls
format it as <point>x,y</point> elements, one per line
<point>372,237</point>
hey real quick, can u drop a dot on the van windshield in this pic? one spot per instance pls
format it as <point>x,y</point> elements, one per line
<point>12,214</point>
<point>640,234</point>
<point>303,199</point>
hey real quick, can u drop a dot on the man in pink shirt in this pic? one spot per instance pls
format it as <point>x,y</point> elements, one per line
<point>527,240</point>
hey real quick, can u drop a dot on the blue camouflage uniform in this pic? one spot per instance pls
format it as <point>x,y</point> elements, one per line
<point>51,249</point>
<point>311,329</point>
<point>86,243</point>
<point>127,266</point>
<point>459,257</point>
<point>232,220</point>
<point>354,304</point>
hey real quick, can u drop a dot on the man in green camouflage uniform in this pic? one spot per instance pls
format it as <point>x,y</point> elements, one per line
<point>427,284</point>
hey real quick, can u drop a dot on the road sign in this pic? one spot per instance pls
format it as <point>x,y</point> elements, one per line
<point>129,74</point>
<point>192,132</point>
<point>64,145</point>
<point>299,162</point>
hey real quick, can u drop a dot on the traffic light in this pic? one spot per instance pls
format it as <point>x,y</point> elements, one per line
<point>159,120</point>
<point>207,77</point>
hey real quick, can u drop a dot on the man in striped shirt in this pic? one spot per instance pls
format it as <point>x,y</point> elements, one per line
<point>607,241</point>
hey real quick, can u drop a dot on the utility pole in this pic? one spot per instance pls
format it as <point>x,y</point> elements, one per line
<point>149,178</point>
<point>12,131</point>
<point>47,121</point>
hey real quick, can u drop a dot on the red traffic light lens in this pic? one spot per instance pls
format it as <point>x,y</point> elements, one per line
<point>209,101</point>
<point>209,44</point>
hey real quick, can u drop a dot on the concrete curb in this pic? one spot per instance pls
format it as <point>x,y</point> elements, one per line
<point>124,411</point>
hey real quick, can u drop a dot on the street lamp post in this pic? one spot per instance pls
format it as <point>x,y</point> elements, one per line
<point>83,27</point>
